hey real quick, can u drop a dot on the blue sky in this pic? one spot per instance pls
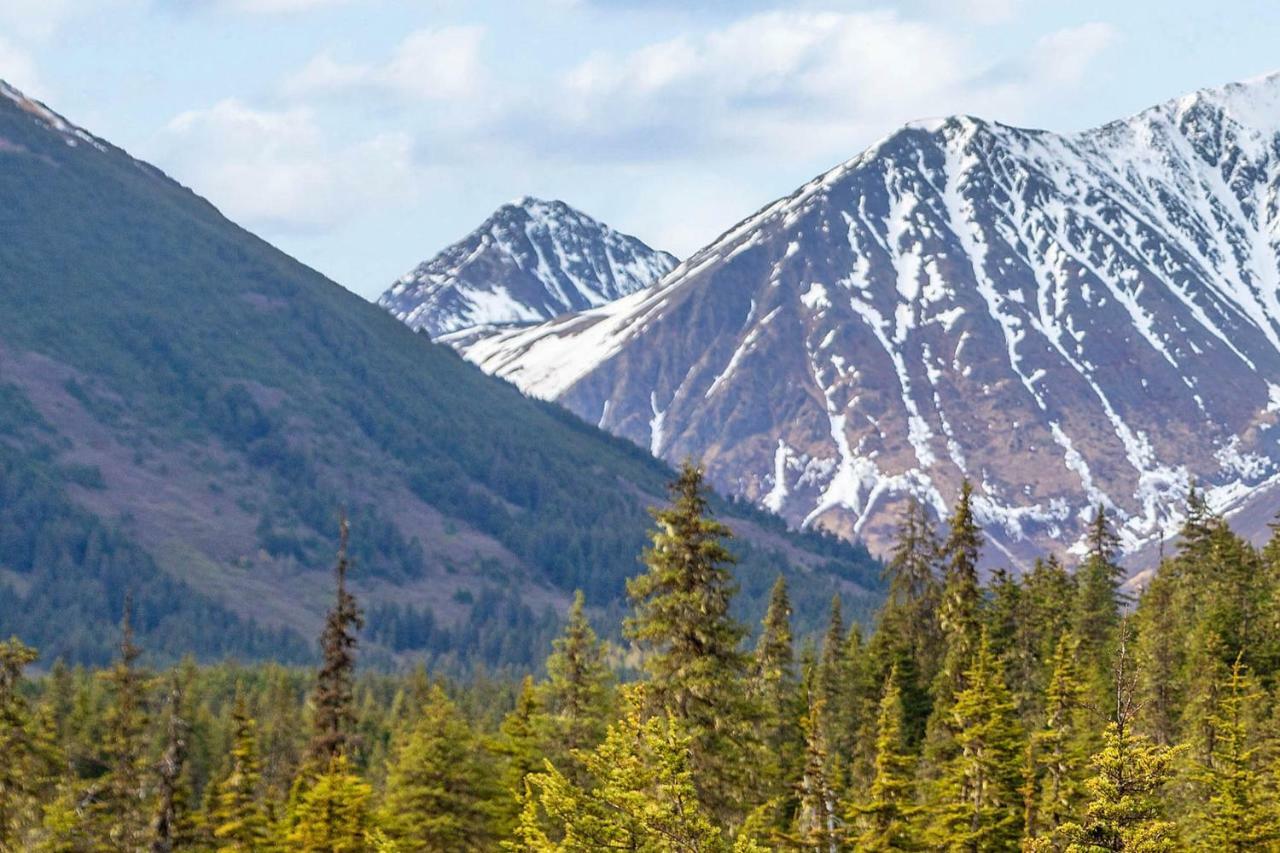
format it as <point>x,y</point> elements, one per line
<point>362,136</point>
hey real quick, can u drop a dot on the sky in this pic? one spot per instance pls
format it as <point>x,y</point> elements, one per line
<point>363,136</point>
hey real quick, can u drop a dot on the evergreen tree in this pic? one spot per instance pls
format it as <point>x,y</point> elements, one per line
<point>1241,812</point>
<point>239,822</point>
<point>908,635</point>
<point>1059,751</point>
<point>642,795</point>
<point>1097,606</point>
<point>118,810</point>
<point>1161,653</point>
<point>1123,811</point>
<point>332,814</point>
<point>171,800</point>
<point>577,694</point>
<point>815,794</point>
<point>960,621</point>
<point>697,670</point>
<point>27,764</point>
<point>776,693</point>
<point>885,821</point>
<point>978,804</point>
<point>959,614</point>
<point>520,739</point>
<point>441,794</point>
<point>333,700</point>
<point>832,685</point>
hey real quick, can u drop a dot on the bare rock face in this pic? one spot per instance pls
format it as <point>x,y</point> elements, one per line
<point>530,261</point>
<point>1066,320</point>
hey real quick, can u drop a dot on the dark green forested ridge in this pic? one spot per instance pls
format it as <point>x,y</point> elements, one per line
<point>183,408</point>
<point>1068,723</point>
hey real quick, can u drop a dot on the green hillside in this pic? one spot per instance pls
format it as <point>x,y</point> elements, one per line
<point>184,410</point>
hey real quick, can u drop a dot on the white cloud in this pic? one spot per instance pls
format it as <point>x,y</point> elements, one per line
<point>278,170</point>
<point>34,19</point>
<point>269,7</point>
<point>284,5</point>
<point>1064,57</point>
<point>433,64</point>
<point>18,68</point>
<point>803,83</point>
<point>981,11</point>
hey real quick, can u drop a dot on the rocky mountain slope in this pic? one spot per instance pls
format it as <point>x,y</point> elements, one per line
<point>184,410</point>
<point>531,260</point>
<point>1065,319</point>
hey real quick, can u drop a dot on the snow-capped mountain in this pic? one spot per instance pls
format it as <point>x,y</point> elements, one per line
<point>532,260</point>
<point>1065,319</point>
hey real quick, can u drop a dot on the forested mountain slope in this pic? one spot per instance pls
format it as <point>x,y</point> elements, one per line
<point>186,409</point>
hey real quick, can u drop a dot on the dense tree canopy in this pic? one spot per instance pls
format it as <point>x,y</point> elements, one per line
<point>1037,713</point>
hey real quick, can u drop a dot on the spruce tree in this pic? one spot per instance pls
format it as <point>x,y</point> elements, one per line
<point>1241,811</point>
<point>1161,653</point>
<point>885,820</point>
<point>1048,603</point>
<point>1059,751</point>
<point>1097,606</point>
<point>27,754</point>
<point>239,821</point>
<point>118,808</point>
<point>1123,810</point>
<point>832,684</point>
<point>332,814</point>
<point>333,702</point>
<point>977,804</point>
<point>520,740</point>
<point>776,693</point>
<point>441,787</point>
<point>907,634</point>
<point>960,621</point>
<point>577,695</point>
<point>641,797</point>
<point>959,614</point>
<point>815,792</point>
<point>171,797</point>
<point>697,671</point>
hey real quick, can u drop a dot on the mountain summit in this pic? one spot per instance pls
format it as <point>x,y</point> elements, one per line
<point>1067,320</point>
<point>532,260</point>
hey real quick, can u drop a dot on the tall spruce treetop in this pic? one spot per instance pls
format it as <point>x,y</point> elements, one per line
<point>240,822</point>
<point>776,690</point>
<point>118,813</point>
<point>576,694</point>
<point>697,669</point>
<point>980,801</point>
<point>774,662</point>
<point>912,567</point>
<point>334,700</point>
<point>884,821</point>
<point>1241,812</point>
<point>961,596</point>
<point>682,604</point>
<point>1098,585</point>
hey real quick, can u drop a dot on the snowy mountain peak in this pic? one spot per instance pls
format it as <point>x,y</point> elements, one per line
<point>531,260</point>
<point>1067,320</point>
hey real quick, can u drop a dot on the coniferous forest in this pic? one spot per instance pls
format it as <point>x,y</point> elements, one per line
<point>1043,712</point>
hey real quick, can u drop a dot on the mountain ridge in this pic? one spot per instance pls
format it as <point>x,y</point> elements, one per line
<point>1041,261</point>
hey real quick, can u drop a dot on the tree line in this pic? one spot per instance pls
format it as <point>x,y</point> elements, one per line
<point>1046,712</point>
